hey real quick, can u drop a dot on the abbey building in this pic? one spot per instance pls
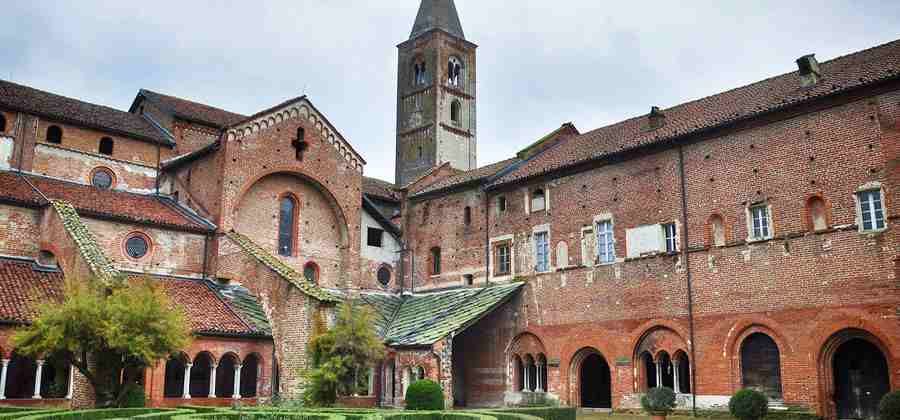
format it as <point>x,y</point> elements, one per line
<point>745,239</point>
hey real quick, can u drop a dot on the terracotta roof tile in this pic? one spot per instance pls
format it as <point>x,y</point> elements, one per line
<point>193,111</point>
<point>23,285</point>
<point>380,189</point>
<point>466,177</point>
<point>91,201</point>
<point>841,74</point>
<point>76,112</point>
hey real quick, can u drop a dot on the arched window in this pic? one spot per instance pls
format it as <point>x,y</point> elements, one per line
<point>683,373</point>
<point>716,227</point>
<point>454,71</point>
<point>541,373</point>
<point>106,146</point>
<point>649,370</point>
<point>520,374</point>
<point>287,226</point>
<point>2,123</point>
<point>761,365</point>
<point>225,376</point>
<point>420,77</point>
<point>435,261</point>
<point>666,373</point>
<point>54,134</point>
<point>816,209</point>
<point>455,111</point>
<point>467,215</point>
<point>299,144</point>
<point>201,372</point>
<point>173,386</point>
<point>311,272</point>
<point>249,376</point>
<point>538,200</point>
<point>20,377</point>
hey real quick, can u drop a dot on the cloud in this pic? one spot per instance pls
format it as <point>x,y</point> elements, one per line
<point>539,63</point>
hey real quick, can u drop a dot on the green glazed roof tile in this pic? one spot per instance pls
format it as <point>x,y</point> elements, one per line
<point>246,305</point>
<point>87,245</point>
<point>425,318</point>
<point>282,269</point>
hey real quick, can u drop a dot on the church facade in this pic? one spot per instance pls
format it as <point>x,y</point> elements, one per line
<point>745,239</point>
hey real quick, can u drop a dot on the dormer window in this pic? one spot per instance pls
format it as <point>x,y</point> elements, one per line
<point>454,72</point>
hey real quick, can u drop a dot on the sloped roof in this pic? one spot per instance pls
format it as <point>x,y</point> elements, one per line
<point>380,189</point>
<point>92,201</point>
<point>437,14</point>
<point>76,112</point>
<point>424,318</point>
<point>466,177</point>
<point>246,305</point>
<point>193,111</point>
<point>841,74</point>
<point>282,269</point>
<point>24,285</point>
<point>90,251</point>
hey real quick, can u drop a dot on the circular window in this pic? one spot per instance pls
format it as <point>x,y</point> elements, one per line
<point>137,246</point>
<point>311,273</point>
<point>384,275</point>
<point>102,178</point>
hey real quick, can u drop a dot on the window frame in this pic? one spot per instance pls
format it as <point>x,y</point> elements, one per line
<point>877,194</point>
<point>502,204</point>
<point>316,270</point>
<point>467,215</point>
<point>434,261</point>
<point>531,198</point>
<point>390,275</point>
<point>106,141</point>
<point>112,177</point>
<point>369,231</point>
<point>766,229</point>
<point>456,112</point>
<point>503,266</point>
<point>295,215</point>
<point>670,235</point>
<point>541,265</point>
<point>147,241</point>
<point>607,238</point>
<point>47,134</point>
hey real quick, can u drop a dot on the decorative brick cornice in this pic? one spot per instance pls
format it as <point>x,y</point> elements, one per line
<point>457,131</point>
<point>454,91</point>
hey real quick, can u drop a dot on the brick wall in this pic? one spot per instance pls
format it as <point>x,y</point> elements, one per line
<point>19,231</point>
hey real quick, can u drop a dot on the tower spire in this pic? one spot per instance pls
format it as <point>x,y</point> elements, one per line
<point>437,14</point>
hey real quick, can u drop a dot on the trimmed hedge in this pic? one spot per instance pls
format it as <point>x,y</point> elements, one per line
<point>96,414</point>
<point>500,415</point>
<point>164,415</point>
<point>545,413</point>
<point>435,415</point>
<point>252,415</point>
<point>348,414</point>
<point>424,395</point>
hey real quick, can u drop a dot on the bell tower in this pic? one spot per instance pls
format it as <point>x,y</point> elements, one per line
<point>435,94</point>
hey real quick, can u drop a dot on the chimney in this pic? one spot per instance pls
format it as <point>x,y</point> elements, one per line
<point>656,119</point>
<point>809,70</point>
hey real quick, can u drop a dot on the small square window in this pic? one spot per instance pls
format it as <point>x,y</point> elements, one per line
<point>538,200</point>
<point>760,222</point>
<point>871,211</point>
<point>374,237</point>
<point>671,237</point>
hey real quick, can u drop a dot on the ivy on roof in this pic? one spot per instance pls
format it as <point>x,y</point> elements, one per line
<point>282,269</point>
<point>87,245</point>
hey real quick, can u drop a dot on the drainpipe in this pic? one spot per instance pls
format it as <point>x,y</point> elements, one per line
<point>685,257</point>
<point>487,239</point>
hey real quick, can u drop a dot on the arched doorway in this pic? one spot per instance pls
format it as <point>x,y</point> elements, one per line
<point>860,374</point>
<point>250,376</point>
<point>595,382</point>
<point>761,365</point>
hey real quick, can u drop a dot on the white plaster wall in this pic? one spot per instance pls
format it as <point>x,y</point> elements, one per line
<point>6,152</point>
<point>389,251</point>
<point>83,163</point>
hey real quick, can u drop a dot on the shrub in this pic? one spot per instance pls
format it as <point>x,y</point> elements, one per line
<point>889,407</point>
<point>658,401</point>
<point>133,396</point>
<point>749,404</point>
<point>424,395</point>
<point>545,413</point>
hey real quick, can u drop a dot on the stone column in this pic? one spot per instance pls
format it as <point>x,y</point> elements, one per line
<point>71,392</point>
<point>537,370</point>
<point>237,381</point>
<point>675,376</point>
<point>186,389</point>
<point>212,381</point>
<point>658,374</point>
<point>4,365</point>
<point>525,378</point>
<point>37,379</point>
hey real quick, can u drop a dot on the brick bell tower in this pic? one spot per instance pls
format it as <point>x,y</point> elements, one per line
<point>435,94</point>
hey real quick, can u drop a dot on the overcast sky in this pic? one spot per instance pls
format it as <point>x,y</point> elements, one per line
<point>540,63</point>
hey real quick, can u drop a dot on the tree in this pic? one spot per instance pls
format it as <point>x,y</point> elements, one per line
<point>102,329</point>
<point>339,355</point>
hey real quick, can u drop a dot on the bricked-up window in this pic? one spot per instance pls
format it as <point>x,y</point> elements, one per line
<point>541,251</point>
<point>606,250</point>
<point>435,261</point>
<point>54,134</point>
<point>538,200</point>
<point>287,226</point>
<point>671,233</point>
<point>716,230</point>
<point>501,204</point>
<point>2,123</point>
<point>106,146</point>
<point>816,211</point>
<point>467,215</point>
<point>871,210</point>
<point>455,111</point>
<point>760,222</point>
<point>374,237</point>
<point>311,272</point>
<point>504,260</point>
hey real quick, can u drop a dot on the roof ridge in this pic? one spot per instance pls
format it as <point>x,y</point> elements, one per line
<point>84,240</point>
<point>221,298</point>
<point>442,315</point>
<point>142,90</point>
